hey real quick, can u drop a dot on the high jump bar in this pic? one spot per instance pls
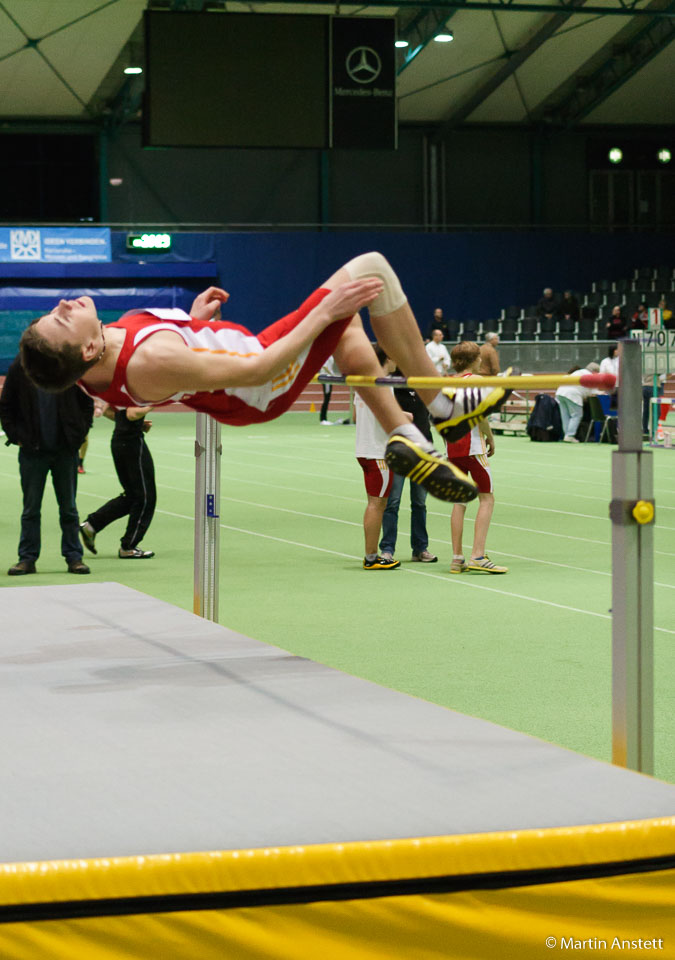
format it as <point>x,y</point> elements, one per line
<point>602,381</point>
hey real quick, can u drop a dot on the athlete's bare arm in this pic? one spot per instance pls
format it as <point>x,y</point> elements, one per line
<point>163,365</point>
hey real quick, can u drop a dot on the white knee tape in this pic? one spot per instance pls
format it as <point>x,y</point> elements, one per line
<point>375,265</point>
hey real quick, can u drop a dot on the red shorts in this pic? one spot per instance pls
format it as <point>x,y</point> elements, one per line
<point>234,411</point>
<point>377,475</point>
<point>478,469</point>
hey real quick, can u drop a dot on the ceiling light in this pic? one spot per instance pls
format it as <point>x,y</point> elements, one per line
<point>133,69</point>
<point>664,155</point>
<point>401,43</point>
<point>615,155</point>
<point>444,37</point>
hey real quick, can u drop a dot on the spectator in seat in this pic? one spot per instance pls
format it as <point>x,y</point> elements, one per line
<point>616,325</point>
<point>489,358</point>
<point>569,307</point>
<point>548,305</point>
<point>640,318</point>
<point>666,315</point>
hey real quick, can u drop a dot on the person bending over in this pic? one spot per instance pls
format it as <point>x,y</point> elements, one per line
<point>471,454</point>
<point>220,368</point>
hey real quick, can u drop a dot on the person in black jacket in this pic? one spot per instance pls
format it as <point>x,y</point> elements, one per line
<point>419,538</point>
<point>136,473</point>
<point>49,430</point>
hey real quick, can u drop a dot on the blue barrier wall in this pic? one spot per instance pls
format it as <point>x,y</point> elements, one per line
<point>470,275</point>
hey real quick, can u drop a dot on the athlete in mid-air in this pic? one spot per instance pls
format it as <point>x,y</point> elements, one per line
<point>220,368</point>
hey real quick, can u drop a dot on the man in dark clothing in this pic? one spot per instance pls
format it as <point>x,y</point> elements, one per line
<point>616,325</point>
<point>569,307</point>
<point>49,430</point>
<point>136,473</point>
<point>438,323</point>
<point>419,538</point>
<point>548,305</point>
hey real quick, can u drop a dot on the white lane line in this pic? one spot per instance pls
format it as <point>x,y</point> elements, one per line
<point>404,534</point>
<point>448,579</point>
<point>340,461</point>
<point>434,513</point>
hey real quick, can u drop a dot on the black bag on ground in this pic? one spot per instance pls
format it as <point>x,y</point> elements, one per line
<point>545,423</point>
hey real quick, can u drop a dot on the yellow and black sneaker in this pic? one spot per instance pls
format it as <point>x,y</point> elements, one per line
<point>471,404</point>
<point>484,565</point>
<point>439,477</point>
<point>381,563</point>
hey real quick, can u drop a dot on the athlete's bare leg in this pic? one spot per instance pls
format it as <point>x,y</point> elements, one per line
<point>485,507</point>
<point>409,453</point>
<point>372,522</point>
<point>355,355</point>
<point>399,336</point>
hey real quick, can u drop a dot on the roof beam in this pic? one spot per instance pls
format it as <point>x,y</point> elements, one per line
<point>514,60</point>
<point>583,93</point>
<point>614,8</point>
<point>420,30</point>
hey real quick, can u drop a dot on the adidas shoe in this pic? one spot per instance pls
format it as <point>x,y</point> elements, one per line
<point>425,556</point>
<point>471,404</point>
<point>430,470</point>
<point>88,535</point>
<point>458,565</point>
<point>485,565</point>
<point>381,563</point>
<point>135,554</point>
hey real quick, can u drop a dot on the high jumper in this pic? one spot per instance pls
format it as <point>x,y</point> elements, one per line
<point>220,368</point>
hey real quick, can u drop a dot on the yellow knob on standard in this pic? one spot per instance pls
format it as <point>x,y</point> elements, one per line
<point>643,511</point>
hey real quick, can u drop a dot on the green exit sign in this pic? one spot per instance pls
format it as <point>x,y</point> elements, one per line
<point>148,242</point>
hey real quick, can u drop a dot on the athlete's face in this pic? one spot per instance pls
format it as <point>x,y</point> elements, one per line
<point>71,321</point>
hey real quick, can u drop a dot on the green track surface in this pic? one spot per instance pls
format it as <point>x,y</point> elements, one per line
<point>530,650</point>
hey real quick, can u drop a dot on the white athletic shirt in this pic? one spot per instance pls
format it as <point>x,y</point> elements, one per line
<point>371,440</point>
<point>575,392</point>
<point>439,355</point>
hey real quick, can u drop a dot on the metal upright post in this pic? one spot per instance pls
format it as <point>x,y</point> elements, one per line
<point>208,451</point>
<point>632,515</point>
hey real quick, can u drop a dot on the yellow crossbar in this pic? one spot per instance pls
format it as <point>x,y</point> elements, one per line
<point>551,381</point>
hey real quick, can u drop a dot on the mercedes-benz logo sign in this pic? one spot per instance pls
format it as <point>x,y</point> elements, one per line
<point>363,65</point>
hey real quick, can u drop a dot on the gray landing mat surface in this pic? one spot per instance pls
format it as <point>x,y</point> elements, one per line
<point>134,727</point>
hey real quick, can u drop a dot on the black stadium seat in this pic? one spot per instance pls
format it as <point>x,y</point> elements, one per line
<point>586,330</point>
<point>508,329</point>
<point>528,327</point>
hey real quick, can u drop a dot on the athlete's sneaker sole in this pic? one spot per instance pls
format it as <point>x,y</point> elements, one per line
<point>381,564</point>
<point>479,408</point>
<point>88,539</point>
<point>437,475</point>
<point>477,568</point>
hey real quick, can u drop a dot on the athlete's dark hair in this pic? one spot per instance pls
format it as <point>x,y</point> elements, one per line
<point>464,354</point>
<point>53,369</point>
